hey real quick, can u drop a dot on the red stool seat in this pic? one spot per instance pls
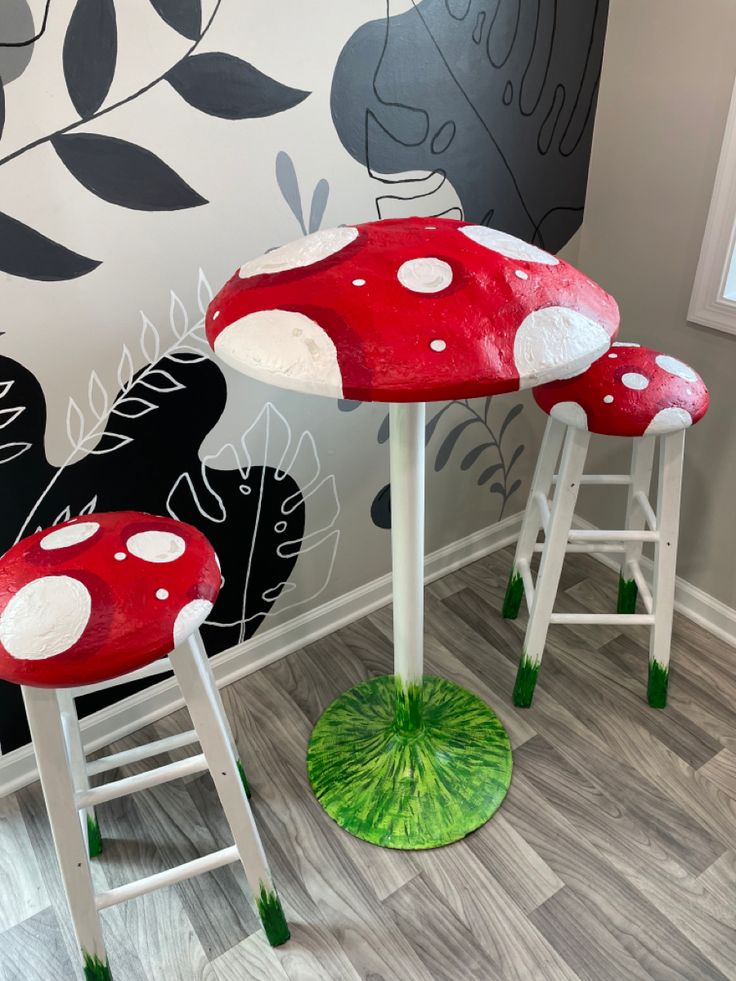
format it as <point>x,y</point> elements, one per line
<point>630,391</point>
<point>101,595</point>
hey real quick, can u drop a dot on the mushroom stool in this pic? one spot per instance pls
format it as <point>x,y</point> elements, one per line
<point>648,397</point>
<point>408,311</point>
<point>97,598</point>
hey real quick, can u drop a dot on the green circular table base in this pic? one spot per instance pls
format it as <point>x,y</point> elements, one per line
<point>410,790</point>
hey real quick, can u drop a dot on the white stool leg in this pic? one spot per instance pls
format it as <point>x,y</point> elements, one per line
<point>544,471</point>
<point>642,461</point>
<point>78,765</point>
<point>671,456</point>
<point>205,707</point>
<point>197,639</point>
<point>44,720</point>
<point>553,555</point>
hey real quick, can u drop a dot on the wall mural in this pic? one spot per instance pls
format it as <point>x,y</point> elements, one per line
<point>493,124</point>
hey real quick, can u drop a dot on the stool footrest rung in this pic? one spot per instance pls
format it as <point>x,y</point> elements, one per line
<point>601,479</point>
<point>141,781</point>
<point>631,619</point>
<point>622,535</point>
<point>150,883</point>
<point>155,748</point>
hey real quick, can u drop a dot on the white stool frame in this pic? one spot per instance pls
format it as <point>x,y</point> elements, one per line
<point>642,525</point>
<point>65,775</point>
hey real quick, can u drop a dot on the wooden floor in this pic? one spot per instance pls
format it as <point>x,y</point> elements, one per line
<point>613,857</point>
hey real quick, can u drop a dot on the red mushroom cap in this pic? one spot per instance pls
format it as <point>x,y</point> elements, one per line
<point>409,310</point>
<point>631,391</point>
<point>101,595</point>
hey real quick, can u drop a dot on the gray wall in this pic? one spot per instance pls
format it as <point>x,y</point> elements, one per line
<point>667,78</point>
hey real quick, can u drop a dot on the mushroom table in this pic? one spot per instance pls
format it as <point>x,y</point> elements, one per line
<point>409,311</point>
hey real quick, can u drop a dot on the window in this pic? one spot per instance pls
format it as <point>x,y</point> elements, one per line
<point>713,301</point>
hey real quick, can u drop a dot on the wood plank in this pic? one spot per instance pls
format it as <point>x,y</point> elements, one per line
<point>721,770</point>
<point>34,950</point>
<point>22,890</point>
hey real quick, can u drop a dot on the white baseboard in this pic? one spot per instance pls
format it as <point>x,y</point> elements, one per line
<point>18,767</point>
<point>702,608</point>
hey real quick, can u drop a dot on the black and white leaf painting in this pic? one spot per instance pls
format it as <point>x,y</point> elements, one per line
<point>123,173</point>
<point>225,86</point>
<point>26,252</point>
<point>90,54</point>
<point>185,16</point>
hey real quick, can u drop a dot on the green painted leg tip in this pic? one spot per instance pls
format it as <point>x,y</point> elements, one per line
<point>408,707</point>
<point>409,789</point>
<point>95,969</point>
<point>244,779</point>
<point>272,917</point>
<point>94,838</point>
<point>657,686</point>
<point>526,680</point>
<point>512,599</point>
<point>627,593</point>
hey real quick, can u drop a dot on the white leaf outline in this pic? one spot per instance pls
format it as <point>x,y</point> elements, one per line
<point>89,507</point>
<point>204,293</point>
<point>74,423</point>
<point>131,400</point>
<point>23,447</point>
<point>150,340</point>
<point>11,413</point>
<point>178,317</point>
<point>125,369</point>
<point>97,391</point>
<point>155,373</point>
<point>5,387</point>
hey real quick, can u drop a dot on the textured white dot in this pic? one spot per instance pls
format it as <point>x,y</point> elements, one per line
<point>264,346</point>
<point>425,275</point>
<point>216,314</point>
<point>556,342</point>
<point>632,379</point>
<point>304,252</point>
<point>120,556</point>
<point>571,413</point>
<point>612,355</point>
<point>438,344</point>
<point>512,248</point>
<point>45,618</point>
<point>608,399</point>
<point>69,535</point>
<point>521,274</point>
<point>162,594</point>
<point>189,618</point>
<point>358,282</point>
<point>430,228</point>
<point>674,367</point>
<point>156,546</point>
<point>626,344</point>
<point>669,421</point>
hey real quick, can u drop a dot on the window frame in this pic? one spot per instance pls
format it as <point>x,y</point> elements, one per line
<point>708,305</point>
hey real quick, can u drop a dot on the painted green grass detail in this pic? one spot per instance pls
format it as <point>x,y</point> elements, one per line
<point>512,599</point>
<point>657,685</point>
<point>272,916</point>
<point>526,680</point>
<point>244,779</point>
<point>95,969</point>
<point>94,838</point>
<point>627,593</point>
<point>409,790</point>
<point>408,706</point>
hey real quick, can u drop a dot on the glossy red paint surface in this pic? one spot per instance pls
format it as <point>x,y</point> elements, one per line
<point>402,330</point>
<point>630,391</point>
<point>101,595</point>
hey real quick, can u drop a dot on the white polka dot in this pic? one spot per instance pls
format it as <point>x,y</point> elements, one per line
<point>608,399</point>
<point>120,556</point>
<point>430,228</point>
<point>358,282</point>
<point>612,355</point>
<point>674,367</point>
<point>425,275</point>
<point>162,594</point>
<point>189,618</point>
<point>265,346</point>
<point>625,344</point>
<point>512,248</point>
<point>521,274</point>
<point>571,414</point>
<point>156,546</point>
<point>45,618</point>
<point>216,314</point>
<point>438,344</point>
<point>304,252</point>
<point>555,343</point>
<point>632,379</point>
<point>669,421</point>
<point>69,535</point>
